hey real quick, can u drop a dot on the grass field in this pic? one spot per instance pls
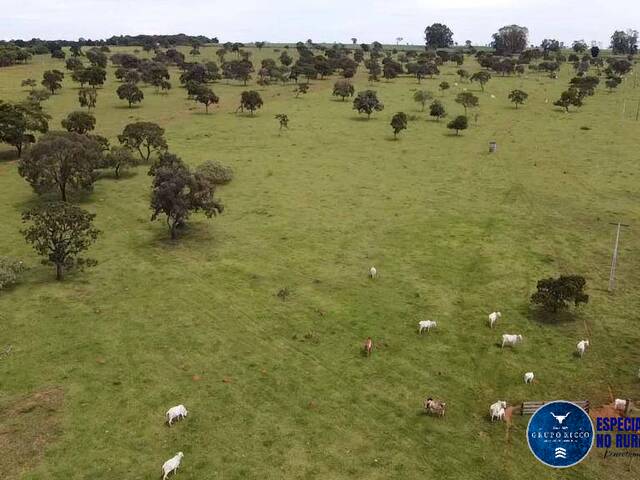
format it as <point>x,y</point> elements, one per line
<point>279,390</point>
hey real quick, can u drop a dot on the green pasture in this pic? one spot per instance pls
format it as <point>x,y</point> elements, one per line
<point>279,389</point>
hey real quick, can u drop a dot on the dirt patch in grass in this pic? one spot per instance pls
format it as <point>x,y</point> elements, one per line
<point>604,411</point>
<point>27,425</point>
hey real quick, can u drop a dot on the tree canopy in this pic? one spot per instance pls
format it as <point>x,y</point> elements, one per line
<point>556,294</point>
<point>145,138</point>
<point>437,36</point>
<point>60,232</point>
<point>367,102</point>
<point>61,161</point>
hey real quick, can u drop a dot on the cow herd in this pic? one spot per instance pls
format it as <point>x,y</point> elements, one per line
<point>496,410</point>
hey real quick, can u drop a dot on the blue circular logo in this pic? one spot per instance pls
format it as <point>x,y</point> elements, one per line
<point>560,434</point>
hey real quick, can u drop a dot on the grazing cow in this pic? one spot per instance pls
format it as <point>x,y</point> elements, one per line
<point>171,465</point>
<point>437,407</point>
<point>510,340</point>
<point>497,410</point>
<point>373,273</point>
<point>426,325</point>
<point>582,346</point>
<point>494,317</point>
<point>175,413</point>
<point>368,346</point>
<point>620,404</point>
<point>528,377</point>
<point>493,96</point>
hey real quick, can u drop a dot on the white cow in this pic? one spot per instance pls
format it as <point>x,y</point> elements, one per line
<point>494,317</point>
<point>620,404</point>
<point>426,325</point>
<point>171,465</point>
<point>373,273</point>
<point>582,346</point>
<point>510,340</point>
<point>176,413</point>
<point>528,377</point>
<point>497,410</point>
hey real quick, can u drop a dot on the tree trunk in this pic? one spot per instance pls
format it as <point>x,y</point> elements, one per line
<point>63,192</point>
<point>118,171</point>
<point>19,148</point>
<point>59,271</point>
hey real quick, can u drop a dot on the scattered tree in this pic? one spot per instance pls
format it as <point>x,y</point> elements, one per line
<point>145,138</point>
<point>302,88</point>
<point>444,86</point>
<point>463,74</point>
<point>568,98</point>
<point>87,97</point>
<point>61,161</point>
<point>467,100</point>
<point>251,100</point>
<point>119,158</point>
<point>398,123</point>
<point>625,43</point>
<point>422,97</point>
<point>555,294</point>
<point>52,80</point>
<point>481,77</point>
<point>19,122</point>
<point>436,110</point>
<point>518,97</point>
<point>344,89</point>
<point>367,102</point>
<point>459,123</point>
<point>130,92</point>
<point>79,122</point>
<point>206,96</point>
<point>60,232</point>
<point>283,119</point>
<point>177,193</point>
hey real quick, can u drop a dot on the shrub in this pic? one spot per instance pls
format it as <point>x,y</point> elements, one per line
<point>10,270</point>
<point>215,172</point>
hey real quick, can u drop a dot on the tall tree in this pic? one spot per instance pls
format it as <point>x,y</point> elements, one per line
<point>510,39</point>
<point>145,138</point>
<point>438,36</point>
<point>61,161</point>
<point>624,42</point>
<point>60,232</point>
<point>119,158</point>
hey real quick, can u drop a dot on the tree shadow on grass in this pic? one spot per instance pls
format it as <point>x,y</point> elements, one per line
<point>8,155</point>
<point>546,317</point>
<point>361,119</point>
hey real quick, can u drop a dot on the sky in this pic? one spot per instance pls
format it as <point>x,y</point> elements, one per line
<point>322,21</point>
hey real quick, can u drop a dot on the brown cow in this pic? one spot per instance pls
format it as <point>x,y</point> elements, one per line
<point>368,346</point>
